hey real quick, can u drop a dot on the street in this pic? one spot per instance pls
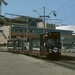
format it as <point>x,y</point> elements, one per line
<point>13,64</point>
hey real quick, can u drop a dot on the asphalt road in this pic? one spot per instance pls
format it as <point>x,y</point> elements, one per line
<point>13,64</point>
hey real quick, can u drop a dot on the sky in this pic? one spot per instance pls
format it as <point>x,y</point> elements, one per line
<point>65,9</point>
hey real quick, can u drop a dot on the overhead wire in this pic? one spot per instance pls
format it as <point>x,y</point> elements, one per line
<point>69,17</point>
<point>60,8</point>
<point>64,5</point>
<point>44,5</point>
<point>49,3</point>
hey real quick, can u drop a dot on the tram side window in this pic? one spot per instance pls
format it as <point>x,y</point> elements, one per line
<point>19,43</point>
<point>36,43</point>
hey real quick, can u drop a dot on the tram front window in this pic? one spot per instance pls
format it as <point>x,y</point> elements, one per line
<point>52,42</point>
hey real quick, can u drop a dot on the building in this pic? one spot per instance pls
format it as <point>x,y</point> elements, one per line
<point>73,39</point>
<point>67,27</point>
<point>70,28</point>
<point>4,34</point>
<point>36,26</point>
<point>47,25</point>
<point>24,31</point>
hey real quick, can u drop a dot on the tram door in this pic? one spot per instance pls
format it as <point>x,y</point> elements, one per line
<point>21,44</point>
<point>42,46</point>
<point>14,46</point>
<point>42,50</point>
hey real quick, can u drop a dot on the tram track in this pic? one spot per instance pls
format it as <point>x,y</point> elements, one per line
<point>71,62</point>
<point>66,61</point>
<point>66,64</point>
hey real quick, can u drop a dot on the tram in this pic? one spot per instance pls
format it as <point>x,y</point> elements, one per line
<point>44,45</point>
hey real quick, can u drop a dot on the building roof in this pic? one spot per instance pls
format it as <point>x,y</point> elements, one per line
<point>71,28</point>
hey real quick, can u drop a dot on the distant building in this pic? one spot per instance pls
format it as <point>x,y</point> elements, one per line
<point>36,22</point>
<point>71,28</point>
<point>36,25</point>
<point>22,30</point>
<point>73,35</point>
<point>47,25</point>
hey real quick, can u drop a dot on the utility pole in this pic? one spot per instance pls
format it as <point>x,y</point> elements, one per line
<point>27,28</point>
<point>44,21</point>
<point>45,16</point>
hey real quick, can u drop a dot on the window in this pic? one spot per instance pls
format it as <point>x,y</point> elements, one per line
<point>53,42</point>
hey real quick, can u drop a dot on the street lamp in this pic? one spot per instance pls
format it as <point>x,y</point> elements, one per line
<point>54,13</point>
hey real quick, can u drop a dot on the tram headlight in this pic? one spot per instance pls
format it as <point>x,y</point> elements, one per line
<point>59,51</point>
<point>50,51</point>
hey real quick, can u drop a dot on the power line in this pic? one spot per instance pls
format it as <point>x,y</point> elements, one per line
<point>69,18</point>
<point>64,5</point>
<point>61,7</point>
<point>49,3</point>
<point>46,5</point>
<point>70,6</point>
